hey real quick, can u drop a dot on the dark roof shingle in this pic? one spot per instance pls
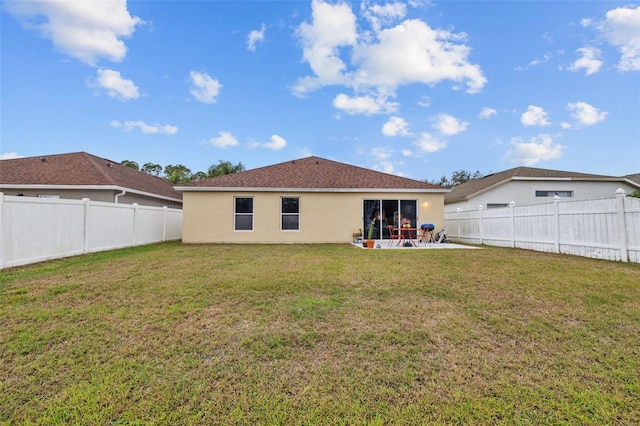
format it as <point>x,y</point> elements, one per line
<point>81,169</point>
<point>312,173</point>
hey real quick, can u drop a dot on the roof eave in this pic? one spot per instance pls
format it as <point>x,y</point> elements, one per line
<point>91,187</point>
<point>337,190</point>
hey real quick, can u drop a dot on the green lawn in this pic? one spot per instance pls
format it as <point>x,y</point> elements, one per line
<point>320,334</point>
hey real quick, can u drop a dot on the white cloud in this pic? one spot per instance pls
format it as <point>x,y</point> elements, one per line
<point>410,52</point>
<point>10,155</point>
<point>385,167</point>
<point>205,89</point>
<point>620,29</point>
<point>586,114</point>
<point>413,52</point>
<point>363,105</point>
<point>396,126</point>
<point>277,143</point>
<point>379,15</point>
<point>381,154</point>
<point>254,37</point>
<point>145,128</point>
<point>487,113</point>
<point>407,152</point>
<point>538,148</point>
<point>586,22</point>
<point>428,143</point>
<point>332,26</point>
<point>535,116</point>
<point>85,30</point>
<point>117,87</point>
<point>590,61</point>
<point>449,125</point>
<point>223,140</point>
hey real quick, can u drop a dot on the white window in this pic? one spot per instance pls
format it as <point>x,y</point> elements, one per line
<point>290,212</point>
<point>243,214</point>
<point>554,193</point>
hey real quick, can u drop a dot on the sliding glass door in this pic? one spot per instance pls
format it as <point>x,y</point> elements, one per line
<point>379,215</point>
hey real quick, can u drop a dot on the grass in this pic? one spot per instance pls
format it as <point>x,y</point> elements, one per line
<point>320,334</point>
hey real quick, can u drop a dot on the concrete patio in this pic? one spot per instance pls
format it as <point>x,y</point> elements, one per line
<point>385,245</point>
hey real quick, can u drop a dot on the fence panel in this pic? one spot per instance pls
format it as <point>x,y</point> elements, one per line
<point>149,225</point>
<point>110,226</point>
<point>535,227</point>
<point>38,229</point>
<point>632,226</point>
<point>173,224</point>
<point>589,228</point>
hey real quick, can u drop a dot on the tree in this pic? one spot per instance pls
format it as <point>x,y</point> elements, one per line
<point>224,168</point>
<point>177,174</point>
<point>458,177</point>
<point>131,164</point>
<point>635,194</point>
<point>152,169</point>
<point>196,177</point>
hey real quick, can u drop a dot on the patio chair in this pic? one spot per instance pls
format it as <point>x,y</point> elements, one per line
<point>392,235</point>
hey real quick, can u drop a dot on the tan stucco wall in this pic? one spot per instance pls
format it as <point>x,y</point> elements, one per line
<point>324,217</point>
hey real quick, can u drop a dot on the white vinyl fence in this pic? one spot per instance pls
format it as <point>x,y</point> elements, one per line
<point>606,228</point>
<point>37,229</point>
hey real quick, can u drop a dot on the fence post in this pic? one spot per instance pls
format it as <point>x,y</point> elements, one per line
<point>85,230</point>
<point>458,223</point>
<point>512,206</point>
<point>135,220</point>
<point>556,223</point>
<point>622,225</point>
<point>480,224</point>
<point>164,223</point>
<point>1,228</point>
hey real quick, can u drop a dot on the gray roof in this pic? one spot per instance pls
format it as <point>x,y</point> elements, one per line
<point>633,178</point>
<point>477,186</point>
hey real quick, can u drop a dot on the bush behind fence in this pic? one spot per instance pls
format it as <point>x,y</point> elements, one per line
<point>606,228</point>
<point>38,229</point>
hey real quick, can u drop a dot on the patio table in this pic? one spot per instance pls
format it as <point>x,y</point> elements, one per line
<point>406,235</point>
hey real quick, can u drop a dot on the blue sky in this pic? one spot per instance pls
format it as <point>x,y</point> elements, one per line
<point>418,89</point>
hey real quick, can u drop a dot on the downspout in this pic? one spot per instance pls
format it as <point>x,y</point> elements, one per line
<point>124,191</point>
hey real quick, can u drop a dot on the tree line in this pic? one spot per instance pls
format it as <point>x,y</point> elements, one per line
<point>180,174</point>
<point>457,178</point>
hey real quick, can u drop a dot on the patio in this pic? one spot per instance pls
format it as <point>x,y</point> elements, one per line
<point>384,244</point>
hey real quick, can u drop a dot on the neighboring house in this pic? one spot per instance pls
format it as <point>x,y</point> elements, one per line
<point>310,200</point>
<point>80,175</point>
<point>528,185</point>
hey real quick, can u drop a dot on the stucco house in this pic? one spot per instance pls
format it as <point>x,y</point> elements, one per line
<point>81,175</point>
<point>529,185</point>
<point>309,200</point>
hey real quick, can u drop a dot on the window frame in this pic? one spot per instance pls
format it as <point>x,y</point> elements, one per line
<point>284,214</point>
<point>553,193</point>
<point>242,214</point>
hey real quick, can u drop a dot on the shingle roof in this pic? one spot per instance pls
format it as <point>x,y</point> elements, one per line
<point>81,169</point>
<point>312,173</point>
<point>477,186</point>
<point>634,178</point>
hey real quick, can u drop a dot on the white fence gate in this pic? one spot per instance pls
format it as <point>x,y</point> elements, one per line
<point>601,228</point>
<point>37,229</point>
